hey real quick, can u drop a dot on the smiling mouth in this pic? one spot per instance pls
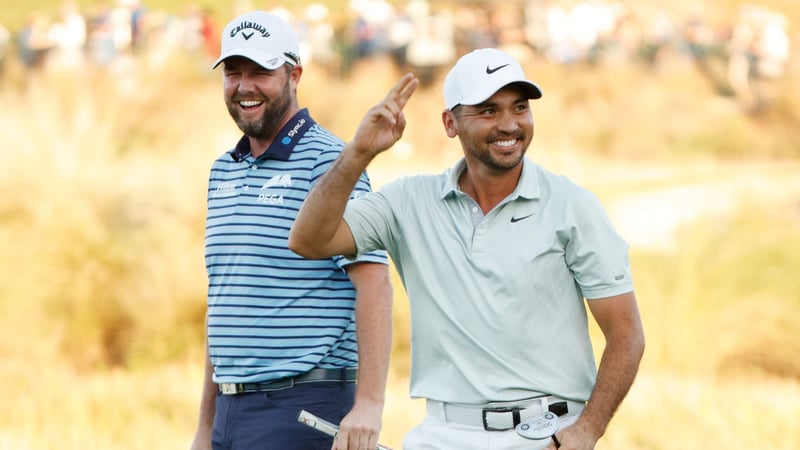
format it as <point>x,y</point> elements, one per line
<point>506,143</point>
<point>249,104</point>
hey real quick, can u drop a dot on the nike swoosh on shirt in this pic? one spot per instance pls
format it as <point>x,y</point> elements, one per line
<point>490,70</point>
<point>517,219</point>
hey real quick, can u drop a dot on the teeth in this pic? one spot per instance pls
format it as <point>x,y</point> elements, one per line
<point>506,143</point>
<point>249,103</point>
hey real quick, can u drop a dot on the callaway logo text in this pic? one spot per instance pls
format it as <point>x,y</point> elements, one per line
<point>249,25</point>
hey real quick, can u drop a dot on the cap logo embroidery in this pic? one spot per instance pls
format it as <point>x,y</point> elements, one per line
<point>247,36</point>
<point>490,70</point>
<point>249,25</point>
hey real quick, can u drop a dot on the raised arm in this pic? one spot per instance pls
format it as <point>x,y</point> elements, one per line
<point>319,231</point>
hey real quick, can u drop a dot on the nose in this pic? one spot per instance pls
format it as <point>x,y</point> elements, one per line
<point>246,83</point>
<point>507,122</point>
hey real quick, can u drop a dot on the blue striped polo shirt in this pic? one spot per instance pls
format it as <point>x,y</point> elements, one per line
<point>272,313</point>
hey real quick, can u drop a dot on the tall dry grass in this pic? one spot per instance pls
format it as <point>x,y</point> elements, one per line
<point>102,293</point>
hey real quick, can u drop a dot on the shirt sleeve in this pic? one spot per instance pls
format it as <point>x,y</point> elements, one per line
<point>371,218</point>
<point>595,253</point>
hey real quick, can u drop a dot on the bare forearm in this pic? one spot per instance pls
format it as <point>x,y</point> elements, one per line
<point>208,399</point>
<point>374,331</point>
<point>618,367</point>
<point>362,425</point>
<point>315,229</point>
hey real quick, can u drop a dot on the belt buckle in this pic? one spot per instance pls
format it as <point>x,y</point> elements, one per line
<point>228,388</point>
<point>515,417</point>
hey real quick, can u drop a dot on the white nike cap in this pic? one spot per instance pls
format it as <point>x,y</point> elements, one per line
<point>480,73</point>
<point>262,37</point>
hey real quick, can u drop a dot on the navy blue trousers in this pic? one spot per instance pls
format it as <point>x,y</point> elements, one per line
<point>268,420</point>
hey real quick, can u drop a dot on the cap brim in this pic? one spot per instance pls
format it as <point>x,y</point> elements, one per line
<point>531,89</point>
<point>264,59</point>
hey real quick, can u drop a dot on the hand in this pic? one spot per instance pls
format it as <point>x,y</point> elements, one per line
<point>384,123</point>
<point>202,440</point>
<point>578,436</point>
<point>360,428</point>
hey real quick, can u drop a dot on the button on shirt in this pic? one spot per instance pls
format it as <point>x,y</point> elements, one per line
<point>497,309</point>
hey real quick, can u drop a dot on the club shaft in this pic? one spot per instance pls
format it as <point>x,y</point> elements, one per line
<point>323,425</point>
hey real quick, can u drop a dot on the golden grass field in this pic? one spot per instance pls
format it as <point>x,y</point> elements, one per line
<point>102,294</point>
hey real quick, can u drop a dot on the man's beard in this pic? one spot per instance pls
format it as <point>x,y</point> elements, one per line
<point>488,160</point>
<point>268,124</point>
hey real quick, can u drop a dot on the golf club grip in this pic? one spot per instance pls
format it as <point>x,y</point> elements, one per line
<point>323,425</point>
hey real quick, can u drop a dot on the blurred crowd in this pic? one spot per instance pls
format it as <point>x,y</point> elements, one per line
<point>71,39</point>
<point>421,35</point>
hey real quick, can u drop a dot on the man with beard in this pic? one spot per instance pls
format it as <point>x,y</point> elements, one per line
<point>281,329</point>
<point>499,258</point>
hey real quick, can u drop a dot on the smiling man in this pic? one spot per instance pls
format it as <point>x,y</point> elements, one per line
<point>499,258</point>
<point>281,329</point>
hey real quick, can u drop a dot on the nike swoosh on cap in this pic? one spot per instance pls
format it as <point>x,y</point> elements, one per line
<point>491,70</point>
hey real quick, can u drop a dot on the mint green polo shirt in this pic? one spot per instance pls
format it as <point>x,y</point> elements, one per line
<point>497,301</point>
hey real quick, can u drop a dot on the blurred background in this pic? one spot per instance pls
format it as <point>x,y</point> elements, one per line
<point>683,117</point>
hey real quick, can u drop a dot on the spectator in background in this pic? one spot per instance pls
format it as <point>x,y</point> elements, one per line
<point>5,43</point>
<point>68,35</point>
<point>101,45</point>
<point>432,43</point>
<point>317,40</point>
<point>209,30</point>
<point>200,32</point>
<point>34,42</point>
<point>758,51</point>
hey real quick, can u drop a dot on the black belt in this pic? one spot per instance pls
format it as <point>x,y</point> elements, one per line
<point>345,374</point>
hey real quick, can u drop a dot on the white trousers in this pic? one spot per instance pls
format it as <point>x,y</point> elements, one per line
<point>436,434</point>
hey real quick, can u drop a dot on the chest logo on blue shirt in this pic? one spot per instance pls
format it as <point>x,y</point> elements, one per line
<point>224,189</point>
<point>277,181</point>
<point>284,180</point>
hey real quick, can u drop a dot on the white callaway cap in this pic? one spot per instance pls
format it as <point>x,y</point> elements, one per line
<point>264,38</point>
<point>480,73</point>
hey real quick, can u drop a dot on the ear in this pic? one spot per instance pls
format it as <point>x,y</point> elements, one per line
<point>295,74</point>
<point>449,122</point>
